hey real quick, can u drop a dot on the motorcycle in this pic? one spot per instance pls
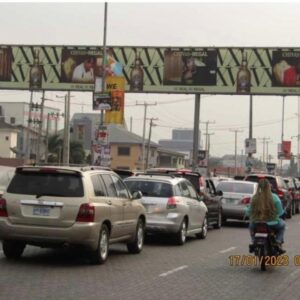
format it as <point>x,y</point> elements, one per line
<point>264,246</point>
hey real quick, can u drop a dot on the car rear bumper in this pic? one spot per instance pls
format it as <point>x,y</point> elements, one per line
<point>234,212</point>
<point>84,234</point>
<point>168,223</point>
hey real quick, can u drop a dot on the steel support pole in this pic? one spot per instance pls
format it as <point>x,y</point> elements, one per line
<point>66,149</point>
<point>27,142</point>
<point>40,133</point>
<point>196,132</point>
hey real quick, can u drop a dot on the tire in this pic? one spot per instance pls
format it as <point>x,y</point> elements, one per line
<point>99,256</point>
<point>180,236</point>
<point>202,235</point>
<point>262,259</point>
<point>137,245</point>
<point>219,222</point>
<point>13,249</point>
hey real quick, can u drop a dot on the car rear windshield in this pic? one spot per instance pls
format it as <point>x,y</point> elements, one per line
<point>52,184</point>
<point>151,188</point>
<point>272,180</point>
<point>236,187</point>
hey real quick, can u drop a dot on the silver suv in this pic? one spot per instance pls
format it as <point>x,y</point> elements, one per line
<point>56,206</point>
<point>172,205</point>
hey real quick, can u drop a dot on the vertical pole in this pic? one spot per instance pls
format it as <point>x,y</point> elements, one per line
<point>196,132</point>
<point>249,166</point>
<point>235,152</point>
<point>104,58</point>
<point>27,143</point>
<point>298,154</point>
<point>263,159</point>
<point>130,124</point>
<point>148,146</point>
<point>38,152</point>
<point>66,150</point>
<point>144,132</point>
<point>47,137</point>
<point>282,131</point>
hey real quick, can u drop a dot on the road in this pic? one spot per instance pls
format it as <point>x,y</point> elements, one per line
<point>198,270</point>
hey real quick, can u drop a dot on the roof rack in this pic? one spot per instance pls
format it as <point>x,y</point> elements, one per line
<point>157,174</point>
<point>89,168</point>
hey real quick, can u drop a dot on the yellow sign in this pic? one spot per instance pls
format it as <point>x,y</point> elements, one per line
<point>115,85</point>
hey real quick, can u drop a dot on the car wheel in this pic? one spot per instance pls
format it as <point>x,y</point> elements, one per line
<point>137,245</point>
<point>99,256</point>
<point>13,249</point>
<point>181,234</point>
<point>203,233</point>
<point>218,225</point>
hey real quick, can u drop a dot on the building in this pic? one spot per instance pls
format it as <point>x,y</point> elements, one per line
<point>17,115</point>
<point>8,138</point>
<point>182,141</point>
<point>124,149</point>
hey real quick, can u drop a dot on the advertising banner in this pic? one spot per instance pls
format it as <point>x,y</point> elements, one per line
<point>115,85</point>
<point>286,149</point>
<point>250,146</point>
<point>206,70</point>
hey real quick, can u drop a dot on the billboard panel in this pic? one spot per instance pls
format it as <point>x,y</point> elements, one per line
<point>207,70</point>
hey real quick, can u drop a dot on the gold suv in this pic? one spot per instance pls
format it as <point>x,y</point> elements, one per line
<point>59,206</point>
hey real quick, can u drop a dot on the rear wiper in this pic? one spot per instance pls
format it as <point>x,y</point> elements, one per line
<point>49,194</point>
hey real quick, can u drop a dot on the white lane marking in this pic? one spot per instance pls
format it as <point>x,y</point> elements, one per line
<point>227,250</point>
<point>172,271</point>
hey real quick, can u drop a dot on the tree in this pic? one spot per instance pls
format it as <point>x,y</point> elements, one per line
<point>77,153</point>
<point>55,146</point>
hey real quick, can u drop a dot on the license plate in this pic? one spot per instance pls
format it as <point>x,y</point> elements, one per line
<point>152,209</point>
<point>41,211</point>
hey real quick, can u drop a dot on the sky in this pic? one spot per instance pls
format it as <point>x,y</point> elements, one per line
<point>201,24</point>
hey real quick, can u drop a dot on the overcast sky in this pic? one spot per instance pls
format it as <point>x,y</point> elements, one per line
<point>170,24</point>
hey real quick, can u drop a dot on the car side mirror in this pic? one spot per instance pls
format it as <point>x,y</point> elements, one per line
<point>219,193</point>
<point>137,195</point>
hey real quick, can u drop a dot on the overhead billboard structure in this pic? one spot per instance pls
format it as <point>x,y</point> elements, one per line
<point>207,70</point>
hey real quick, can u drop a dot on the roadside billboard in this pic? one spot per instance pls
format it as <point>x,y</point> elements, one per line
<point>207,70</point>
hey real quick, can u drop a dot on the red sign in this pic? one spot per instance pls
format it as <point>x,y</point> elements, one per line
<point>286,149</point>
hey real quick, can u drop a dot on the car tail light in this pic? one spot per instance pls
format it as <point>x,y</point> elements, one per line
<point>86,213</point>
<point>3,209</point>
<point>171,203</point>
<point>280,193</point>
<point>245,200</point>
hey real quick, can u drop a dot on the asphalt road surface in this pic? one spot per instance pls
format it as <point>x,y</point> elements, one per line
<point>214,268</point>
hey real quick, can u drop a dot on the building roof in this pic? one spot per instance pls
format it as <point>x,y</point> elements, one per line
<point>119,134</point>
<point>4,125</point>
<point>170,152</point>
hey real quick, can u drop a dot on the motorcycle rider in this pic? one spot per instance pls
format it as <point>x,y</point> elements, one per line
<point>266,206</point>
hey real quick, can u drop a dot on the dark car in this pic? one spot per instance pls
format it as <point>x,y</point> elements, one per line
<point>205,188</point>
<point>279,187</point>
<point>294,192</point>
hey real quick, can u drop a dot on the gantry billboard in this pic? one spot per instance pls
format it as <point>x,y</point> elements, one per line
<point>207,70</point>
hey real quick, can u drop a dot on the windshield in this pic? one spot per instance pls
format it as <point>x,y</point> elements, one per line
<point>150,188</point>
<point>235,187</point>
<point>35,183</point>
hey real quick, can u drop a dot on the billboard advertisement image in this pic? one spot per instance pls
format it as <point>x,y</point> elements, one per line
<point>188,70</point>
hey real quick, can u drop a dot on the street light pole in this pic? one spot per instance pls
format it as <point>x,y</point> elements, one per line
<point>235,148</point>
<point>38,153</point>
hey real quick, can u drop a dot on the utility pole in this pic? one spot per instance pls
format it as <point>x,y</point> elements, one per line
<point>235,148</point>
<point>47,137</point>
<point>249,158</point>
<point>149,141</point>
<point>145,104</point>
<point>268,158</point>
<point>208,150</point>
<point>196,131</point>
<point>39,141</point>
<point>28,144</point>
<point>264,139</point>
<point>206,132</point>
<point>66,146</point>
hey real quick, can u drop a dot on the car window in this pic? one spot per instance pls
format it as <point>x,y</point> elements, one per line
<point>236,187</point>
<point>151,188</point>
<point>272,180</point>
<point>98,184</point>
<point>120,187</point>
<point>35,183</point>
<point>110,187</point>
<point>192,190</point>
<point>185,190</point>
